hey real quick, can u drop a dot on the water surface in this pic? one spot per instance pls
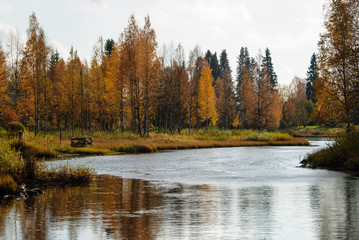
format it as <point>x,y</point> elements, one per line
<point>225,193</point>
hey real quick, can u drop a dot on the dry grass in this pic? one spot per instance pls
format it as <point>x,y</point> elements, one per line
<point>117,142</point>
<point>147,145</point>
<point>315,131</point>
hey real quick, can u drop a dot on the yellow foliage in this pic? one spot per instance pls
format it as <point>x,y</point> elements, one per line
<point>207,97</point>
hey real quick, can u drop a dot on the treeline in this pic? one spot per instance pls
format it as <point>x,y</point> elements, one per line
<point>128,85</point>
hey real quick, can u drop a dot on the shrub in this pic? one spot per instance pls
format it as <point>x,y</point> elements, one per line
<point>15,129</point>
<point>7,185</point>
<point>11,162</point>
<point>30,150</point>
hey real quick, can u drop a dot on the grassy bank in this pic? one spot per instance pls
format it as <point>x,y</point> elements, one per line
<point>314,131</point>
<point>117,142</point>
<point>19,164</point>
<point>342,155</point>
<point>20,160</point>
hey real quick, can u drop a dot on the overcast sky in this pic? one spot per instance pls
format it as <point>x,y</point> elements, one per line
<point>289,28</point>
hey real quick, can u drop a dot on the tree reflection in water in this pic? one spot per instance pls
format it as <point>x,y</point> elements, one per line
<point>116,208</point>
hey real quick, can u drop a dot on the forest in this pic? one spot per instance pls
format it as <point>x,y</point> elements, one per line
<point>132,85</point>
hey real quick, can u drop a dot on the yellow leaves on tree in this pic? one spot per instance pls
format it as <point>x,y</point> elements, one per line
<point>338,63</point>
<point>3,82</point>
<point>207,97</point>
<point>249,99</point>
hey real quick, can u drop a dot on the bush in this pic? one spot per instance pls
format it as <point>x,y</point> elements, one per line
<point>11,162</point>
<point>7,185</point>
<point>30,150</point>
<point>15,129</point>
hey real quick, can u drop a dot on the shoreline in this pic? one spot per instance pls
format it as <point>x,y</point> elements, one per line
<point>141,147</point>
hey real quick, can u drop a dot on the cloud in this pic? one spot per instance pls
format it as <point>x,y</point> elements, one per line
<point>5,30</point>
<point>97,7</point>
<point>5,8</point>
<point>60,48</point>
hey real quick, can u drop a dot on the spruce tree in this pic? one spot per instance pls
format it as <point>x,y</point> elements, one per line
<point>272,74</point>
<point>243,60</point>
<point>109,46</point>
<point>312,74</point>
<point>213,63</point>
<point>224,63</point>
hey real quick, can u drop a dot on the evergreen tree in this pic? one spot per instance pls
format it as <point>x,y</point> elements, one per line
<point>109,46</point>
<point>224,63</point>
<point>226,104</point>
<point>243,60</point>
<point>272,74</point>
<point>213,63</point>
<point>208,56</point>
<point>312,74</point>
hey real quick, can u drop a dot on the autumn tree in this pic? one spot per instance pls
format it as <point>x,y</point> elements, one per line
<point>248,99</point>
<point>174,90</point>
<point>129,54</point>
<point>34,67</point>
<point>194,68</point>
<point>14,52</point>
<point>267,106</point>
<point>148,71</point>
<point>338,63</point>
<point>115,97</point>
<point>207,97</point>
<point>56,76</point>
<point>97,85</point>
<point>3,87</point>
<point>70,89</point>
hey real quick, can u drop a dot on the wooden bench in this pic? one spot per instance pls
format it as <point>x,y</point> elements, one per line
<point>81,142</point>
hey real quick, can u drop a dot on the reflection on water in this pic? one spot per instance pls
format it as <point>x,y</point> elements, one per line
<point>116,208</point>
<point>227,193</point>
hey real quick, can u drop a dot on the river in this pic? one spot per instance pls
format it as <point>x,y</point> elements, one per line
<point>218,193</point>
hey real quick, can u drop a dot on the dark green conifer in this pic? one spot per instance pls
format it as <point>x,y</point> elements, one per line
<point>312,74</point>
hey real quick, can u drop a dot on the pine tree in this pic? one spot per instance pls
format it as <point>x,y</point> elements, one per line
<point>312,75</point>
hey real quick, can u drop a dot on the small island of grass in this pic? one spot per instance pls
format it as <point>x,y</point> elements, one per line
<point>342,155</point>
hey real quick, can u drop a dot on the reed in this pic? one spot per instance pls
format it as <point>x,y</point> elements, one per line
<point>65,174</point>
<point>7,185</point>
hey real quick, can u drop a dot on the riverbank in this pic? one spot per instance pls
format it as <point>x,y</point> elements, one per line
<point>343,155</point>
<point>314,131</point>
<point>21,159</point>
<point>127,143</point>
<point>19,166</point>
